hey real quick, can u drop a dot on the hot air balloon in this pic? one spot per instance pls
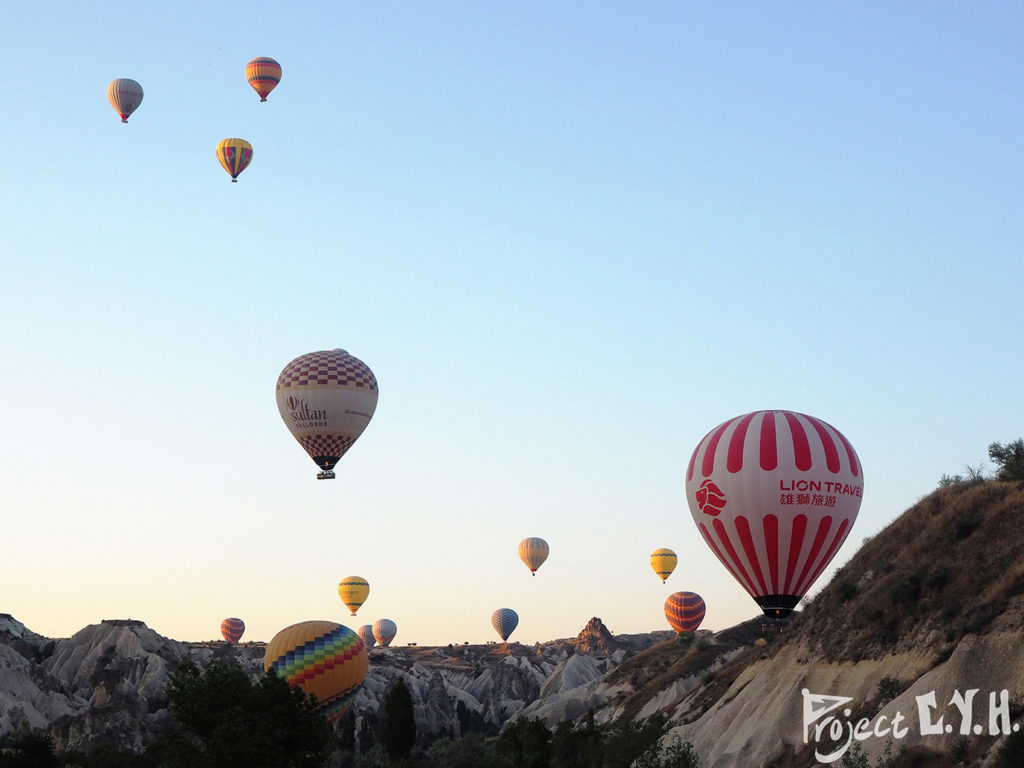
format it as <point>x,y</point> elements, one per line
<point>533,552</point>
<point>366,632</point>
<point>326,399</point>
<point>353,591</point>
<point>234,155</point>
<point>684,611</point>
<point>124,96</point>
<point>663,561</point>
<point>263,74</point>
<point>774,494</point>
<point>385,630</point>
<point>504,621</point>
<point>323,658</point>
<point>232,629</point>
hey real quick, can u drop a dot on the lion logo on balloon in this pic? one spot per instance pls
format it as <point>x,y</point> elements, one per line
<point>710,498</point>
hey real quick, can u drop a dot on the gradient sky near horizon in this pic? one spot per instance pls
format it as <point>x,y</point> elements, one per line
<point>568,239</point>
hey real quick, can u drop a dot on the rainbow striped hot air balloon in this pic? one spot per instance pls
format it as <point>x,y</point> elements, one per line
<point>353,591</point>
<point>385,630</point>
<point>533,552</point>
<point>232,629</point>
<point>663,561</point>
<point>323,658</point>
<point>684,611</point>
<point>124,95</point>
<point>263,74</point>
<point>504,621</point>
<point>234,156</point>
<point>774,494</point>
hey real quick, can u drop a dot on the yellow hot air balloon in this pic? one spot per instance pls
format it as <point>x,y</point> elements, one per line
<point>234,156</point>
<point>663,561</point>
<point>353,591</point>
<point>323,658</point>
<point>124,95</point>
<point>533,552</point>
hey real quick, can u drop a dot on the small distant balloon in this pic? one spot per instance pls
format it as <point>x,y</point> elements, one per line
<point>684,611</point>
<point>263,74</point>
<point>232,629</point>
<point>504,621</point>
<point>323,658</point>
<point>385,630</point>
<point>533,552</point>
<point>353,591</point>
<point>234,156</point>
<point>124,95</point>
<point>366,632</point>
<point>663,561</point>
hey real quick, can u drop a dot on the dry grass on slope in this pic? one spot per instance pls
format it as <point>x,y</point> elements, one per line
<point>949,566</point>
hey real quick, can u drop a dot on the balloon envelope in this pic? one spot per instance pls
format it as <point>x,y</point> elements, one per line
<point>366,632</point>
<point>533,552</point>
<point>385,630</point>
<point>124,95</point>
<point>263,74</point>
<point>663,561</point>
<point>323,658</point>
<point>684,611</point>
<point>234,156</point>
<point>326,399</point>
<point>504,621</point>
<point>232,629</point>
<point>774,494</point>
<point>353,591</point>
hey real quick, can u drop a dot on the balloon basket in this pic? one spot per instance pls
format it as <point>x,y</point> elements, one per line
<point>328,475</point>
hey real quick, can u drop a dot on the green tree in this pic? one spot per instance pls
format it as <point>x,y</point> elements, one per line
<point>223,718</point>
<point>398,730</point>
<point>1010,458</point>
<point>28,750</point>
<point>677,754</point>
<point>525,744</point>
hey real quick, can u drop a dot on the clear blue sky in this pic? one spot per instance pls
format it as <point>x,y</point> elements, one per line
<point>569,239</point>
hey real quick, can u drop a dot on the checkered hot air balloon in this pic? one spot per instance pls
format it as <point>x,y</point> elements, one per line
<point>353,591</point>
<point>533,552</point>
<point>504,621</point>
<point>234,156</point>
<point>663,561</point>
<point>385,630</point>
<point>684,611</point>
<point>774,494</point>
<point>326,400</point>
<point>322,658</point>
<point>263,74</point>
<point>124,95</point>
<point>232,629</point>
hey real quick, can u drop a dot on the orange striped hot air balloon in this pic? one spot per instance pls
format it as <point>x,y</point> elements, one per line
<point>533,552</point>
<point>263,74</point>
<point>234,156</point>
<point>124,95</point>
<point>323,658</point>
<point>232,629</point>
<point>684,611</point>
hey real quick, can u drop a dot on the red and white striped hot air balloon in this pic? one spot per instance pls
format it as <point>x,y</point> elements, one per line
<point>774,494</point>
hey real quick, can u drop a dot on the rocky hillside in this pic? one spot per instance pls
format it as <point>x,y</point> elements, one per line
<point>105,684</point>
